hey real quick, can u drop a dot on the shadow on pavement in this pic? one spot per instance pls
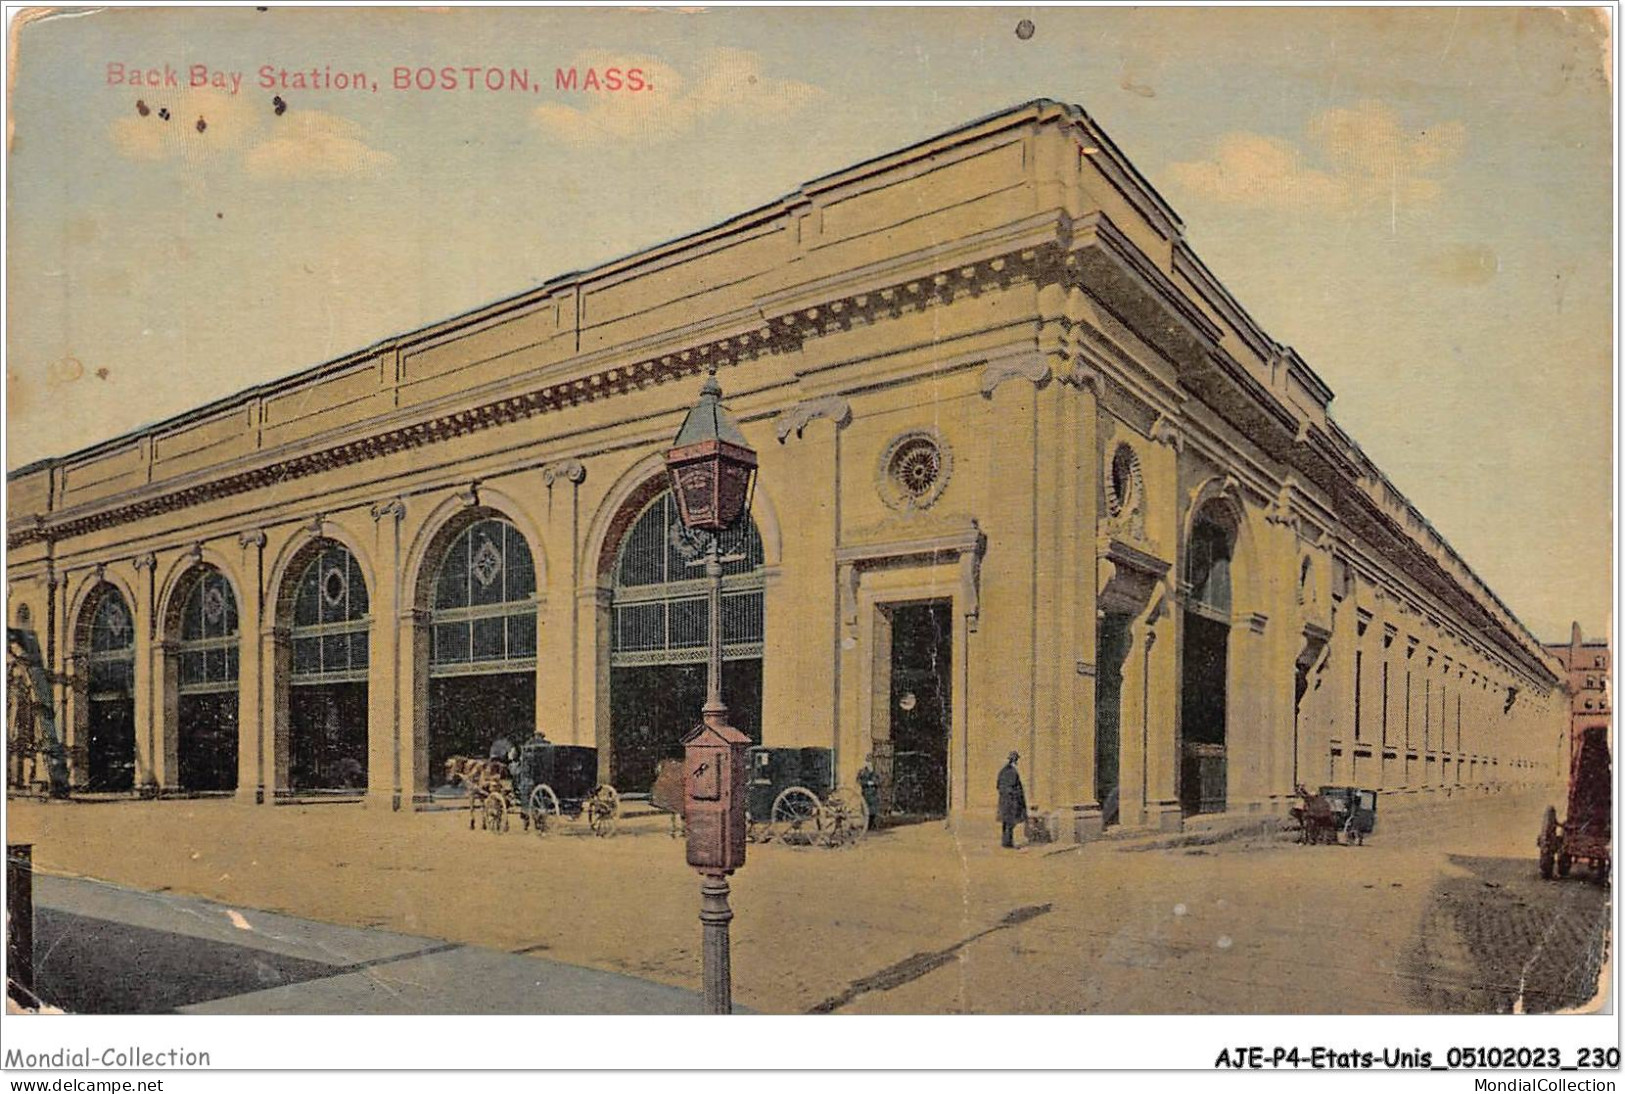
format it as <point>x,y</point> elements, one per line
<point>97,966</point>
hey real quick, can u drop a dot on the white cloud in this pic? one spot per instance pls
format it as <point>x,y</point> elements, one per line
<point>316,145</point>
<point>1355,157</point>
<point>301,144</point>
<point>230,125</point>
<point>729,81</point>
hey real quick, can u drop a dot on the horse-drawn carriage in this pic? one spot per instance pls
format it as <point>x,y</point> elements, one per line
<point>1586,831</point>
<point>791,797</point>
<point>1334,811</point>
<point>544,785</point>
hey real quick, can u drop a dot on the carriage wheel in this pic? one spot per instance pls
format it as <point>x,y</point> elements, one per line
<point>848,819</point>
<point>603,811</point>
<point>496,812</point>
<point>544,809</point>
<point>798,816</point>
<point>1548,842</point>
<point>857,816</point>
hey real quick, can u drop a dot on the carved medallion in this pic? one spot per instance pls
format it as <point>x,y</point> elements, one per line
<point>914,470</point>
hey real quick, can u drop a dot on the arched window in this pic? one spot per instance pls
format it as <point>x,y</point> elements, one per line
<point>1208,569</point>
<point>660,595</point>
<point>208,635</point>
<point>330,619</point>
<point>112,645</point>
<point>484,602</point>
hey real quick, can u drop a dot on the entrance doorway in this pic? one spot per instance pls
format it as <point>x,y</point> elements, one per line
<point>921,711</point>
<point>329,751</point>
<point>208,740</point>
<point>111,743</point>
<point>1206,662</point>
<point>654,707</point>
<point>1113,639</point>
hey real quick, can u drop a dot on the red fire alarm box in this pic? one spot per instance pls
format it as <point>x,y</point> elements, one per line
<point>715,775</point>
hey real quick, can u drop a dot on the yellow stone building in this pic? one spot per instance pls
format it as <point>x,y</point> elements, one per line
<point>1030,479</point>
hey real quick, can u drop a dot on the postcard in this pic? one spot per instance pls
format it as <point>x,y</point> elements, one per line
<point>1006,511</point>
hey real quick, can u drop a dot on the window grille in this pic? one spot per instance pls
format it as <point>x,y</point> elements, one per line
<point>484,609</point>
<point>110,661</point>
<point>208,639</point>
<point>660,611</point>
<point>330,623</point>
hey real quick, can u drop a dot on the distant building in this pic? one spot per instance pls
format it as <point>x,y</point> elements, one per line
<point>1588,664</point>
<point>1030,479</point>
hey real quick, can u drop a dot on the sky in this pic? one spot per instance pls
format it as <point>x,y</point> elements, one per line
<point>1417,200</point>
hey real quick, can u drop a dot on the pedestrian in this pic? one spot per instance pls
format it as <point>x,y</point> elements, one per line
<point>869,787</point>
<point>1012,799</point>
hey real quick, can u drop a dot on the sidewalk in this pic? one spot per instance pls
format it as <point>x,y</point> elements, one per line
<point>101,948</point>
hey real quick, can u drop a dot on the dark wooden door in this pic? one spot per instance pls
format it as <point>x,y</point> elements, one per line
<point>921,706</point>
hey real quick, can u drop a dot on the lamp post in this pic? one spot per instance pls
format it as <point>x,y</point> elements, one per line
<point>713,474</point>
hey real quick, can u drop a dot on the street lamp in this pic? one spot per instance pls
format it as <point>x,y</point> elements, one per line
<point>713,474</point>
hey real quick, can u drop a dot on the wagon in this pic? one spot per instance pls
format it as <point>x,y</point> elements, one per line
<point>1586,829</point>
<point>1354,811</point>
<point>792,797</point>
<point>551,782</point>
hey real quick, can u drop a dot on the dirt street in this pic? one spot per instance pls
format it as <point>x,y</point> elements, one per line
<point>1442,910</point>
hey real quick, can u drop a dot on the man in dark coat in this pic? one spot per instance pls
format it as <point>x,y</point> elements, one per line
<point>1012,799</point>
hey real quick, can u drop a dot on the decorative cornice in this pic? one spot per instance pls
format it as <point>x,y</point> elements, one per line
<point>572,471</point>
<point>836,408</point>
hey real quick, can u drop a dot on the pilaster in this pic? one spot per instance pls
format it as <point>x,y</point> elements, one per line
<point>251,672</point>
<point>1005,652</point>
<point>559,683</point>
<point>166,705</point>
<point>385,675</point>
<point>800,684</point>
<point>149,764</point>
<point>1157,637</point>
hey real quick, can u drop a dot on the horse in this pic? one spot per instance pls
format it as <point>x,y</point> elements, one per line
<point>482,777</point>
<point>667,793</point>
<point>1317,821</point>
